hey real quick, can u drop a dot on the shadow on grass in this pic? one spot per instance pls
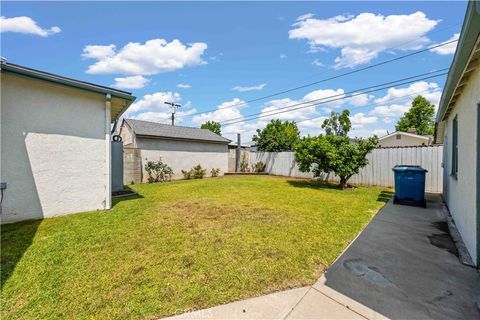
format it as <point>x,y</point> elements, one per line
<point>128,194</point>
<point>16,238</point>
<point>313,184</point>
<point>384,196</point>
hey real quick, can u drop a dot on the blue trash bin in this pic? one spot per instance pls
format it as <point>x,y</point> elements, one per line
<point>410,185</point>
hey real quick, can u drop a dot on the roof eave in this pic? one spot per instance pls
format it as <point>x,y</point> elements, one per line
<point>467,42</point>
<point>66,81</point>
<point>181,139</point>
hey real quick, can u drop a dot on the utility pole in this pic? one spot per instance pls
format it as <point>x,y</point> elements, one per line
<point>174,106</point>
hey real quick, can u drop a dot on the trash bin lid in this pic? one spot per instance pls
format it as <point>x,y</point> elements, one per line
<point>404,168</point>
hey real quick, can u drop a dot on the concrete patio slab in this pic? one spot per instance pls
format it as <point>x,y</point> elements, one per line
<point>316,305</point>
<point>404,265</point>
<point>273,306</point>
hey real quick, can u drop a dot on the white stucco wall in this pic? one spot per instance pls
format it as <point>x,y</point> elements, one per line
<point>461,192</point>
<point>183,155</point>
<point>127,136</point>
<point>405,141</point>
<point>53,149</point>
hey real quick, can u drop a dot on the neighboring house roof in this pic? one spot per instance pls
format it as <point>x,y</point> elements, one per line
<point>427,138</point>
<point>243,144</point>
<point>158,130</point>
<point>465,61</point>
<point>120,99</point>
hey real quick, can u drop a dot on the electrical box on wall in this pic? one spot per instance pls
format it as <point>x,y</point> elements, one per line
<point>3,185</point>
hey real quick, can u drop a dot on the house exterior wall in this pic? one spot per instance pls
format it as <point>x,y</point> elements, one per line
<point>53,149</point>
<point>183,155</point>
<point>127,136</point>
<point>460,193</point>
<point>405,141</point>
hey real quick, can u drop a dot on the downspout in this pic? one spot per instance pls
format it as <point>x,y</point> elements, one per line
<point>108,153</point>
<point>477,231</point>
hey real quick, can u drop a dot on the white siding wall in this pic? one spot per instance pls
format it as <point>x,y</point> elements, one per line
<point>53,152</point>
<point>461,192</point>
<point>378,172</point>
<point>404,141</point>
<point>183,155</point>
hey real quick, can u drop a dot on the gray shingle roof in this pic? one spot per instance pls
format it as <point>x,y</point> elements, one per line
<point>153,129</point>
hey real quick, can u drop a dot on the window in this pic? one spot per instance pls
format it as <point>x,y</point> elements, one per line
<point>399,137</point>
<point>454,147</point>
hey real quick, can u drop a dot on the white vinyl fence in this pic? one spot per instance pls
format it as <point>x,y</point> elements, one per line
<point>378,172</point>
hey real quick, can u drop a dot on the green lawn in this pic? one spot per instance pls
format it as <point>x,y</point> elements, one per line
<point>181,246</point>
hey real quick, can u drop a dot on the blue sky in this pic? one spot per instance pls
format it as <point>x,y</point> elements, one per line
<point>210,56</point>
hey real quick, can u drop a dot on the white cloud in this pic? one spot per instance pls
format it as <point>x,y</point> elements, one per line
<point>283,56</point>
<point>162,117</point>
<point>430,90</point>
<point>359,100</point>
<point>360,119</point>
<point>183,86</point>
<point>318,63</point>
<point>25,25</point>
<point>152,107</point>
<point>155,102</point>
<point>448,48</point>
<point>364,37</point>
<point>403,98</point>
<point>305,16</point>
<point>311,126</point>
<point>303,116</point>
<point>152,57</point>
<point>380,132</point>
<point>393,110</point>
<point>133,82</point>
<point>305,111</point>
<point>252,88</point>
<point>98,52</point>
<point>225,111</point>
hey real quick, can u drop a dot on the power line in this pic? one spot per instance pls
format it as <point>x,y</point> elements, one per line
<point>331,78</point>
<point>331,100</point>
<point>375,104</point>
<point>341,96</point>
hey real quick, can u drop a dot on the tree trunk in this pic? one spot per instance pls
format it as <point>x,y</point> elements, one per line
<point>343,183</point>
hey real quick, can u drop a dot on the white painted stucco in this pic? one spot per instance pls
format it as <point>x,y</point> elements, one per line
<point>460,192</point>
<point>127,135</point>
<point>183,155</point>
<point>53,149</point>
<point>404,141</point>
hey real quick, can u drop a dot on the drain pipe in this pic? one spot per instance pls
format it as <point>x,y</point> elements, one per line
<point>108,153</point>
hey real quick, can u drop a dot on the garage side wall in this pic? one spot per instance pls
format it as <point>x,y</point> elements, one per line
<point>460,192</point>
<point>53,149</point>
<point>183,155</point>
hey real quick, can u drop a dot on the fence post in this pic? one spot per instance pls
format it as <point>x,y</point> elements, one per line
<point>238,154</point>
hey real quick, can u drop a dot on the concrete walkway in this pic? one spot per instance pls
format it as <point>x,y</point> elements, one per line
<point>402,266</point>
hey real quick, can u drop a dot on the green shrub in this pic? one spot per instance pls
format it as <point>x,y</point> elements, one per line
<point>244,164</point>
<point>259,167</point>
<point>158,171</point>
<point>215,172</point>
<point>196,172</point>
<point>187,174</point>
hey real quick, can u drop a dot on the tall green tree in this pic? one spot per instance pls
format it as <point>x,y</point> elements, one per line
<point>213,126</point>
<point>420,116</point>
<point>335,151</point>
<point>338,124</point>
<point>277,136</point>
